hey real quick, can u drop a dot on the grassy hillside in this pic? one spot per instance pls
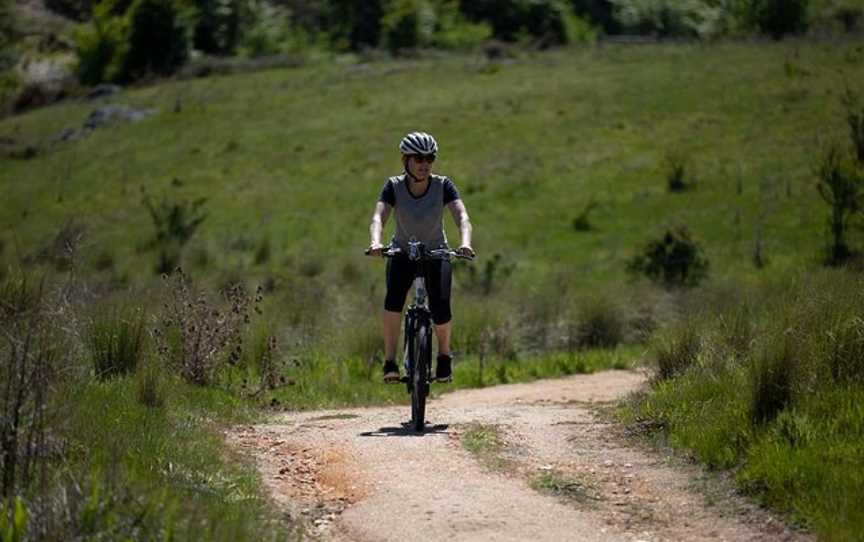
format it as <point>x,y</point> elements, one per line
<point>299,156</point>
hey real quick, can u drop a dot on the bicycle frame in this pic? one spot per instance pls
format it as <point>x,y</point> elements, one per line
<point>418,313</point>
<point>418,353</point>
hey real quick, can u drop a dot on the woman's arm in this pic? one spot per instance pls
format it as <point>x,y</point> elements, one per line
<point>379,219</point>
<point>460,216</point>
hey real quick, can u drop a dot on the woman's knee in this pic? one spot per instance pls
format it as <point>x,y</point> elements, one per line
<point>441,314</point>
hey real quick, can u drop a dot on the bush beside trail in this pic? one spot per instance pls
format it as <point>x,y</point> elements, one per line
<point>772,387</point>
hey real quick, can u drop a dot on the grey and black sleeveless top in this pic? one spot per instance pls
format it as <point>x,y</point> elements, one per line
<point>419,216</point>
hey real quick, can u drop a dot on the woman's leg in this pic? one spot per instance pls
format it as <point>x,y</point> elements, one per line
<point>392,325</point>
<point>438,281</point>
<point>442,331</point>
<point>400,276</point>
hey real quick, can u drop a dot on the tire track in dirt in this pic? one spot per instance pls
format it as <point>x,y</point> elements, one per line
<point>359,474</point>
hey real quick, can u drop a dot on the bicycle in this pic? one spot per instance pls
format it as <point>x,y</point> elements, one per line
<point>418,331</point>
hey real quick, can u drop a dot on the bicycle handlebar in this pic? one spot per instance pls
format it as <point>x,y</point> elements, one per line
<point>438,253</point>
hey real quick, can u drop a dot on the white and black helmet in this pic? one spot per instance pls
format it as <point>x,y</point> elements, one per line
<point>418,143</point>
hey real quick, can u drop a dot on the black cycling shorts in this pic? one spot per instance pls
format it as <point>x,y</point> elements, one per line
<point>400,277</point>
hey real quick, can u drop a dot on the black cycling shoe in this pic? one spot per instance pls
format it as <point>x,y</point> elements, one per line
<point>391,372</point>
<point>443,370</point>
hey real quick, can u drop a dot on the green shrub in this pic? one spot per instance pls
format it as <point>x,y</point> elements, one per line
<point>780,17</point>
<point>101,47</point>
<point>599,324</point>
<point>676,350</point>
<point>677,177</point>
<point>455,31</point>
<point>849,16</point>
<point>217,26</point>
<point>600,13</point>
<point>582,221</point>
<point>149,386</point>
<point>267,31</point>
<point>545,21</point>
<point>270,370</point>
<point>495,270</point>
<point>671,18</point>
<point>355,25</point>
<point>174,222</point>
<point>675,259</point>
<point>737,331</point>
<point>841,185</point>
<point>117,340</point>
<point>199,337</point>
<point>34,349</point>
<point>263,251</point>
<point>773,379</point>
<point>843,350</point>
<point>18,296</point>
<point>148,38</point>
<point>157,39</point>
<point>408,24</point>
<point>14,518</point>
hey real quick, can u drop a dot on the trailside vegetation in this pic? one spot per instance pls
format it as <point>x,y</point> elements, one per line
<point>117,44</point>
<point>771,385</point>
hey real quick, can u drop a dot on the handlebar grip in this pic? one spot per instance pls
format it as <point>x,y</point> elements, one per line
<point>386,252</point>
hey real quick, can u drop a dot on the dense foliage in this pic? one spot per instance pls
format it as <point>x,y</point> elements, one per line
<point>780,17</point>
<point>148,38</point>
<point>116,50</point>
<point>545,20</point>
<point>217,29</point>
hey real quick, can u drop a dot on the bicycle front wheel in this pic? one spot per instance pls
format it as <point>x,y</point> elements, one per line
<point>420,377</point>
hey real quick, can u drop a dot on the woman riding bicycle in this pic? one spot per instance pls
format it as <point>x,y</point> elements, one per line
<point>419,198</point>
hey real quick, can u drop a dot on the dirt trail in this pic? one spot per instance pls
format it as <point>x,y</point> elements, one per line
<point>358,474</point>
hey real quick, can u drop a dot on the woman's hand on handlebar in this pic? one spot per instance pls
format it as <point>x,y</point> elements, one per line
<point>376,250</point>
<point>465,251</point>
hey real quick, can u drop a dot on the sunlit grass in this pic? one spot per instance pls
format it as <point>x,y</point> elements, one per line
<point>785,412</point>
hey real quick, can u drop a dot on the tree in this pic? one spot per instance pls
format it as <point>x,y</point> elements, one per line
<point>217,30</point>
<point>355,25</point>
<point>840,184</point>
<point>157,39</point>
<point>780,17</point>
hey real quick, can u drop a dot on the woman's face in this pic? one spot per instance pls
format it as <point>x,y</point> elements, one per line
<point>420,166</point>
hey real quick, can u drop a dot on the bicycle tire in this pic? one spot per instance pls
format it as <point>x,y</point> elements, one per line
<point>410,352</point>
<point>420,383</point>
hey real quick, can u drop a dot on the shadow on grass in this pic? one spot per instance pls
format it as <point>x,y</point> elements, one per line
<point>407,430</point>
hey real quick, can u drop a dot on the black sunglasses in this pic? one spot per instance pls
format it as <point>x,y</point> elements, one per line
<point>424,157</point>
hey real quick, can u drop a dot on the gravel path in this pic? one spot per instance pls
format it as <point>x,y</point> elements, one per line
<point>358,474</point>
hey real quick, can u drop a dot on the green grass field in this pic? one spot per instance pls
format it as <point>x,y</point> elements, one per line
<point>298,156</point>
<point>291,162</point>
